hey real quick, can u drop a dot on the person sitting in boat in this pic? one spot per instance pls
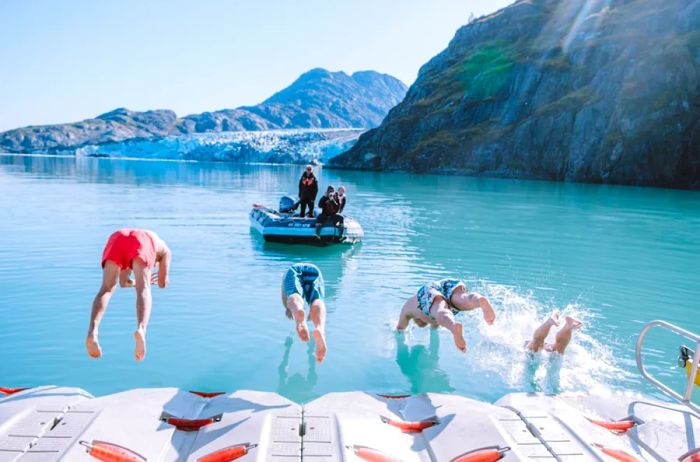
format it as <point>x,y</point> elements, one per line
<point>342,199</point>
<point>329,206</point>
<point>562,338</point>
<point>437,302</point>
<point>128,250</point>
<point>303,283</point>
<point>308,189</point>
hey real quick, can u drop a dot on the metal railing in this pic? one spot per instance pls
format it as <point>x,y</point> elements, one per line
<point>686,398</point>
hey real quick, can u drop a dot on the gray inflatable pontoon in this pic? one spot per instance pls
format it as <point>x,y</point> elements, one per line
<point>285,227</point>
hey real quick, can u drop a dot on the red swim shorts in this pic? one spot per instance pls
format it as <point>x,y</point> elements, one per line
<point>126,244</point>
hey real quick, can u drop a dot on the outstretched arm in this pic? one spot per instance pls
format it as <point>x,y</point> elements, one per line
<point>404,319</point>
<point>164,268</point>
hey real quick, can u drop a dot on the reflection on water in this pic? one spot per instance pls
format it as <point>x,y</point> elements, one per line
<point>617,256</point>
<point>299,385</point>
<point>543,372</point>
<point>420,364</point>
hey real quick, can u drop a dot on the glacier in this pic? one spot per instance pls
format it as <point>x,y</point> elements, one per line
<point>264,146</point>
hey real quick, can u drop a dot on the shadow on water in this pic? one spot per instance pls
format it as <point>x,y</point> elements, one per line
<point>300,387</point>
<point>420,365</point>
<point>542,372</point>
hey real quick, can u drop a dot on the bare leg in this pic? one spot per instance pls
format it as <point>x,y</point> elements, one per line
<point>295,306</point>
<point>142,278</point>
<point>541,332</point>
<point>464,301</point>
<point>444,317</point>
<point>110,274</point>
<point>317,314</point>
<point>563,337</point>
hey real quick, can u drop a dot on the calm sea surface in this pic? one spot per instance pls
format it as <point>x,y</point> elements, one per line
<point>617,257</point>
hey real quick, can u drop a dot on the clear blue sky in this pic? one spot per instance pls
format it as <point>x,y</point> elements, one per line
<point>62,61</point>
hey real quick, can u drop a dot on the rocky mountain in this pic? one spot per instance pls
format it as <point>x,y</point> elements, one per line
<point>317,99</point>
<point>112,127</point>
<point>582,90</point>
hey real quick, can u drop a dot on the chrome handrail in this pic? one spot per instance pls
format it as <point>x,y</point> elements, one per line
<point>685,399</point>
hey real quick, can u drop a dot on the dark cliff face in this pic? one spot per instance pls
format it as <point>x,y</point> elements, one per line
<point>318,99</point>
<point>596,91</point>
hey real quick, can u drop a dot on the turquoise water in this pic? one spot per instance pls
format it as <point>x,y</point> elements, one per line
<point>617,257</point>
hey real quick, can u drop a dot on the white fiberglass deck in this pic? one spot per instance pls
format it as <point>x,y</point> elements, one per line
<point>166,424</point>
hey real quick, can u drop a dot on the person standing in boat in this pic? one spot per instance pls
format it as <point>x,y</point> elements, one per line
<point>329,206</point>
<point>302,284</point>
<point>128,250</point>
<point>308,189</point>
<point>342,199</point>
<point>436,304</point>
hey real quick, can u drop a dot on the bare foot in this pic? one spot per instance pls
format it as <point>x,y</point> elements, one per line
<point>303,331</point>
<point>321,348</point>
<point>572,323</point>
<point>140,339</point>
<point>554,318</point>
<point>459,339</point>
<point>489,314</point>
<point>93,346</point>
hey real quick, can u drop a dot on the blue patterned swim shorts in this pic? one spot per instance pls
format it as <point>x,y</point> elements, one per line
<point>306,280</point>
<point>444,288</point>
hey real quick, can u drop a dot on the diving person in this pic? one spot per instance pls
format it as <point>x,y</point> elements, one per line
<point>437,302</point>
<point>303,283</point>
<point>127,250</point>
<point>562,338</point>
<point>308,189</point>
<point>329,206</point>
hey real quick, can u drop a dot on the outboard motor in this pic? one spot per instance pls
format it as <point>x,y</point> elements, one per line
<point>287,204</point>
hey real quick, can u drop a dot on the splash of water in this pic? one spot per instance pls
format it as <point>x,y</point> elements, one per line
<point>588,364</point>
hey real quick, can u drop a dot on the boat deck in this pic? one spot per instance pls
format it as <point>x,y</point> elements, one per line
<point>167,424</point>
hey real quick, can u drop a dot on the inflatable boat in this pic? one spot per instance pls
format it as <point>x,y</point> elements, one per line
<point>284,226</point>
<point>50,423</point>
